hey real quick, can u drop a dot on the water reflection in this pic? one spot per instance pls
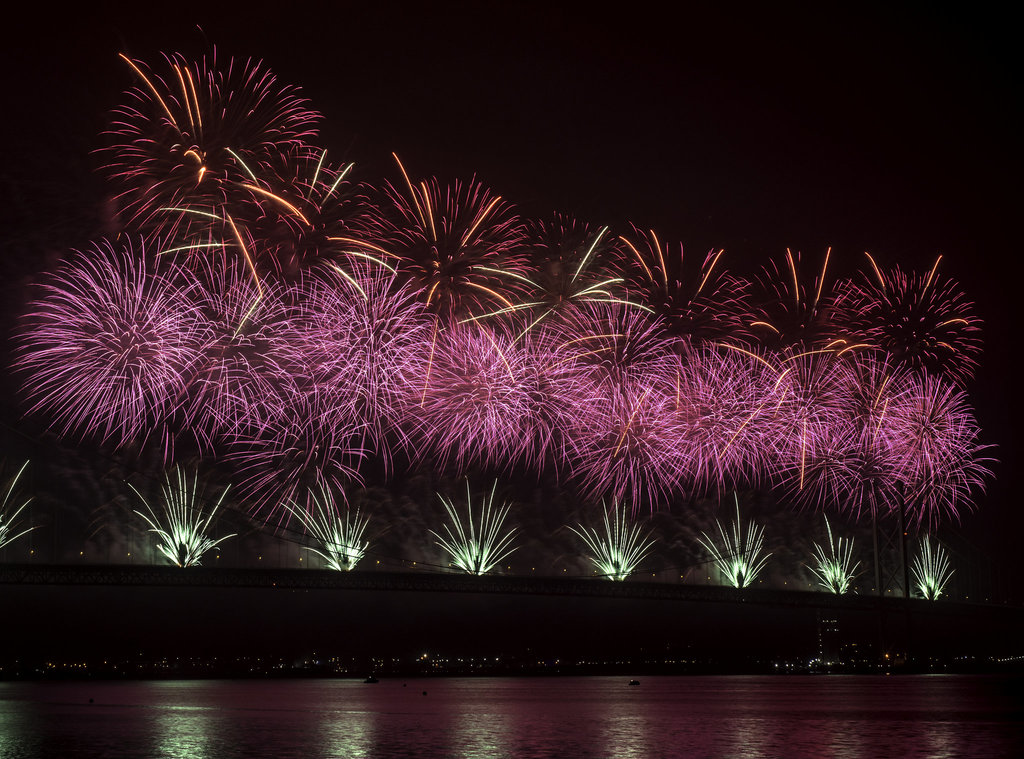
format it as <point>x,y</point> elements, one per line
<point>350,734</point>
<point>482,736</point>
<point>183,732</point>
<point>847,718</point>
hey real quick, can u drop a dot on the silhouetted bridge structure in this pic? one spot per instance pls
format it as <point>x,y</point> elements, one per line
<point>441,582</point>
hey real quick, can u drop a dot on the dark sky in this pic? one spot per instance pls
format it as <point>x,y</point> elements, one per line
<point>894,131</point>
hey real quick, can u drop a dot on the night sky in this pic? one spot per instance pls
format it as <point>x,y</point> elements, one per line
<point>893,131</point>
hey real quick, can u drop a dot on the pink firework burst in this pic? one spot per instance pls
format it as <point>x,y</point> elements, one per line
<point>300,448</point>
<point>815,405</point>
<point>933,432</point>
<point>624,439</point>
<point>244,370</point>
<point>461,246</point>
<point>920,321</point>
<point>725,402</point>
<point>467,397</point>
<point>352,338</point>
<point>850,464</point>
<point>108,343</point>
<point>196,136</point>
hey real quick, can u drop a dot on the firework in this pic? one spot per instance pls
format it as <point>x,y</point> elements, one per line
<point>196,136</point>
<point>790,312</point>
<point>244,371</point>
<point>739,558</point>
<point>460,246</point>
<point>724,403</point>
<point>608,341</point>
<point>294,323</point>
<point>9,512</point>
<point>618,551</point>
<point>340,535</point>
<point>815,430</point>
<point>300,447</point>
<point>107,345</point>
<point>476,547</point>
<point>854,464</point>
<point>921,322</point>
<point>467,397</point>
<point>700,304</point>
<point>935,437</point>
<point>553,385</point>
<point>353,338</point>
<point>571,264</point>
<point>183,522</point>
<point>833,567</point>
<point>624,440</point>
<point>306,214</point>
<point>931,569</point>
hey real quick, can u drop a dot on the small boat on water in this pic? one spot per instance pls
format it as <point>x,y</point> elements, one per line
<point>371,679</point>
<point>634,682</point>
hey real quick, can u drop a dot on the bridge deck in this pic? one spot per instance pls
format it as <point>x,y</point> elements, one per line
<point>432,582</point>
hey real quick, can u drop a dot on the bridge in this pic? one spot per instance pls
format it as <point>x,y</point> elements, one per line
<point>444,582</point>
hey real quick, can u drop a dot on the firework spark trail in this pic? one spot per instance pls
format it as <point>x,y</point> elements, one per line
<point>620,548</point>
<point>476,546</point>
<point>338,533</point>
<point>108,343</point>
<point>931,569</point>
<point>183,523</point>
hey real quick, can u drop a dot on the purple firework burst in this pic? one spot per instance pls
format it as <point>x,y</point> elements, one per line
<point>301,448</point>
<point>244,372</point>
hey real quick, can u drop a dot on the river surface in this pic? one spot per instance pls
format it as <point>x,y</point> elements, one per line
<point>812,716</point>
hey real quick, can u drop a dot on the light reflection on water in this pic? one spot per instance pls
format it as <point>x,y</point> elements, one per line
<point>792,717</point>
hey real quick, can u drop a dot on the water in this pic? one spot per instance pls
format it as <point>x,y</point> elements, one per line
<point>791,717</point>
